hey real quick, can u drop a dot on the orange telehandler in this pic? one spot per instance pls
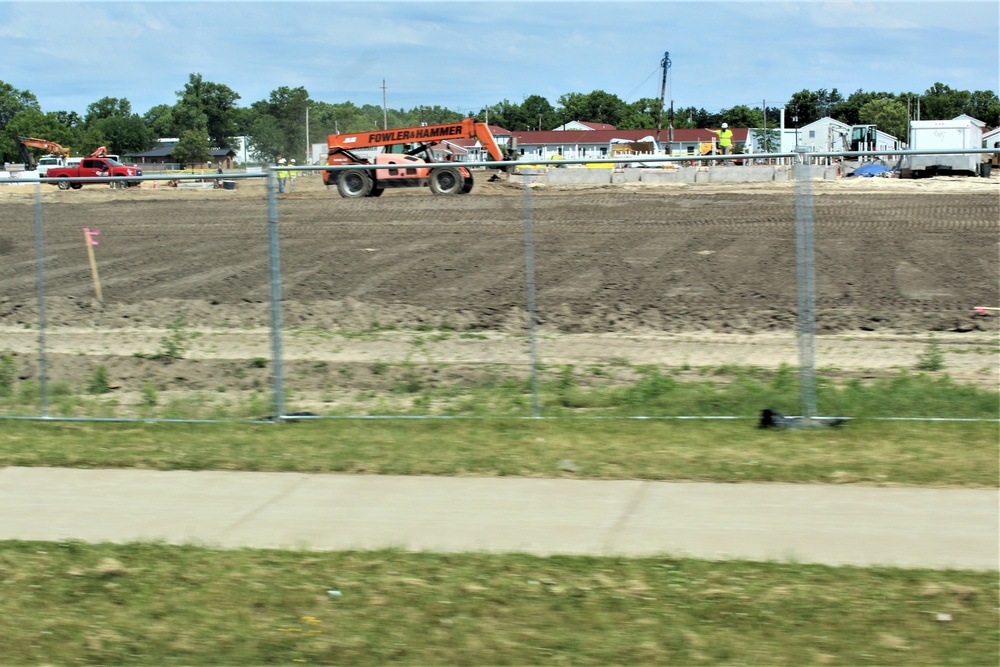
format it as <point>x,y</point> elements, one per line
<point>412,164</point>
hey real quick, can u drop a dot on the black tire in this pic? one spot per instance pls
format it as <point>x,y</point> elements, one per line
<point>63,184</point>
<point>467,186</point>
<point>376,192</point>
<point>446,181</point>
<point>354,183</point>
<point>76,186</point>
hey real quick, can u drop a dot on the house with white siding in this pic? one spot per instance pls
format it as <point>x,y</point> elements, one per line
<point>828,135</point>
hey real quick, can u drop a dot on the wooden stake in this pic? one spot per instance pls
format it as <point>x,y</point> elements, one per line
<point>89,236</point>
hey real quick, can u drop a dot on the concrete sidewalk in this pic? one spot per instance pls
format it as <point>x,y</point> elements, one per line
<point>835,525</point>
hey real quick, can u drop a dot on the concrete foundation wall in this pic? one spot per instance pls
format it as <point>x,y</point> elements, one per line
<point>709,174</point>
<point>580,176</point>
<point>685,175</point>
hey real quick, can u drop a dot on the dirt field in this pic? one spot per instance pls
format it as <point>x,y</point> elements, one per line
<point>671,274</point>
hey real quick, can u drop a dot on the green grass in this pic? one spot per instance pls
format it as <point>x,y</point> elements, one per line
<point>154,604</point>
<point>409,388</point>
<point>908,453</point>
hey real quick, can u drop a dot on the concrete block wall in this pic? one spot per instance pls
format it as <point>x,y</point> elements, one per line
<point>706,174</point>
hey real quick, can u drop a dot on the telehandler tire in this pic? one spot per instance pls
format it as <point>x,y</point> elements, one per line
<point>446,181</point>
<point>467,186</point>
<point>354,183</point>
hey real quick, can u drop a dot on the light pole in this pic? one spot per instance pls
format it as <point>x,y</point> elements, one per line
<point>795,121</point>
<point>308,145</point>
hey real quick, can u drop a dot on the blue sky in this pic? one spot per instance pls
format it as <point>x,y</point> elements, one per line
<point>465,55</point>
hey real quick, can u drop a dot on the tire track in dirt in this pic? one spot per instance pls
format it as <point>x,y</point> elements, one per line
<point>606,260</point>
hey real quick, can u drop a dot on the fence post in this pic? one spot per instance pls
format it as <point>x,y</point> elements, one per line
<point>805,288</point>
<point>274,264</point>
<point>43,380</point>
<point>529,270</point>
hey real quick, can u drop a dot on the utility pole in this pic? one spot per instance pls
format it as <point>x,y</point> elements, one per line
<point>763,109</point>
<point>308,145</point>
<point>385,113</point>
<point>665,64</point>
<point>670,131</point>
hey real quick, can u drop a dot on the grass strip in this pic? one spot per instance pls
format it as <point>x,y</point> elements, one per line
<point>154,604</point>
<point>409,389</point>
<point>884,453</point>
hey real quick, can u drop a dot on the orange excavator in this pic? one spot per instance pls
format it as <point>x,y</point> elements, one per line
<point>405,157</point>
<point>24,143</point>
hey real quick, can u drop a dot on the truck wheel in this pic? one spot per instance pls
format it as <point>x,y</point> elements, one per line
<point>76,186</point>
<point>354,183</point>
<point>376,192</point>
<point>446,181</point>
<point>63,184</point>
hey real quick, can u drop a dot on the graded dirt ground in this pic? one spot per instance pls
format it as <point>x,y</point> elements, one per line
<point>692,274</point>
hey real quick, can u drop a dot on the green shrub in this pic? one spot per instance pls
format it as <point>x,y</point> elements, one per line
<point>8,373</point>
<point>99,383</point>
<point>932,358</point>
<point>149,396</point>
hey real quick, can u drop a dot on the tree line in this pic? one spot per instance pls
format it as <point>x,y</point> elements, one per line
<point>207,115</point>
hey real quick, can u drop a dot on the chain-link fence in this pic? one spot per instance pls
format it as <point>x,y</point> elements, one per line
<point>677,291</point>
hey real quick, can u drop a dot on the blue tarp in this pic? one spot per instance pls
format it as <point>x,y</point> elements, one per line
<point>870,170</point>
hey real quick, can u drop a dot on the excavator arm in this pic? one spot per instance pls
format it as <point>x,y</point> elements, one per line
<point>23,143</point>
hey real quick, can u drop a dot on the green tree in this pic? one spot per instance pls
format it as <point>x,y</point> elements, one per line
<point>505,114</point>
<point>596,107</point>
<point>209,106</point>
<point>110,122</point>
<point>108,107</point>
<point>287,109</point>
<point>985,106</point>
<point>691,117</point>
<point>192,148</point>
<point>435,115</point>
<point>808,106</point>
<point>643,114</point>
<point>888,115</point>
<point>744,116</point>
<point>12,102</point>
<point>126,134</point>
<point>849,110</point>
<point>160,121</point>
<point>940,102</point>
<point>538,114</point>
<point>266,140</point>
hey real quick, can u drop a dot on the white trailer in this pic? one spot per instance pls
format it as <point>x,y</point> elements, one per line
<point>958,133</point>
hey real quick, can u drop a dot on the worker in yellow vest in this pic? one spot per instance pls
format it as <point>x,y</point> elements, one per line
<point>282,175</point>
<point>725,139</point>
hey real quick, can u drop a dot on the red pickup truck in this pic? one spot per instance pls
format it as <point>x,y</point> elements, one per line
<point>92,167</point>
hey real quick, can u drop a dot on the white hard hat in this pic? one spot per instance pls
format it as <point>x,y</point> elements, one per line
<point>293,160</point>
<point>281,161</point>
<point>725,125</point>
